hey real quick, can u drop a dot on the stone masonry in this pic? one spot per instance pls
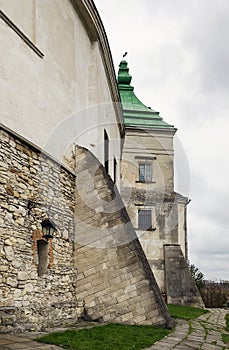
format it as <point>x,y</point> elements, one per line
<point>33,186</point>
<point>114,277</point>
<point>180,286</point>
<point>93,264</point>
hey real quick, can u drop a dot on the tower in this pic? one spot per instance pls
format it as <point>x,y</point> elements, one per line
<point>157,212</point>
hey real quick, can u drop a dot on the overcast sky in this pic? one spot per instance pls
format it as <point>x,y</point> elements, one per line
<point>178,55</point>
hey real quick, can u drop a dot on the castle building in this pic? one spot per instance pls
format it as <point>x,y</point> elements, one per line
<point>68,249</point>
<point>157,212</point>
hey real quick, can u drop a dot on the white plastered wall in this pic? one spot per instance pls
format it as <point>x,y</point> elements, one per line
<point>64,97</point>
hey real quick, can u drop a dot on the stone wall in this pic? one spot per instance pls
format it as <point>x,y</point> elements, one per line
<point>154,147</point>
<point>94,263</point>
<point>167,208</point>
<point>115,280</point>
<point>33,186</point>
<point>164,225</point>
<point>180,286</point>
<point>141,143</point>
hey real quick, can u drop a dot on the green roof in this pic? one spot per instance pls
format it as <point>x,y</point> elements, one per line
<point>135,113</point>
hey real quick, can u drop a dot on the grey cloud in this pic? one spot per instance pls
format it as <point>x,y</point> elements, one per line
<point>208,253</point>
<point>208,36</point>
<point>210,201</point>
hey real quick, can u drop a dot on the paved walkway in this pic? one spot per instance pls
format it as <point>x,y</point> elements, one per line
<point>203,333</point>
<point>24,342</point>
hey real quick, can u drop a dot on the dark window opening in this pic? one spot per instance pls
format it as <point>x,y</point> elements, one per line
<point>144,219</point>
<point>106,152</point>
<point>115,170</point>
<point>43,256</point>
<point>145,172</point>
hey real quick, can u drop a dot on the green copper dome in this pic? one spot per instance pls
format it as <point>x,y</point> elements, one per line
<point>136,114</point>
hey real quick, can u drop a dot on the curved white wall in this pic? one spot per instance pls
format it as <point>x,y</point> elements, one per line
<point>49,100</point>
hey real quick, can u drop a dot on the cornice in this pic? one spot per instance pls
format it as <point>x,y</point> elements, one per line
<point>148,130</point>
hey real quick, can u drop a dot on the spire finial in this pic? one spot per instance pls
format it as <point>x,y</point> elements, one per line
<point>124,78</point>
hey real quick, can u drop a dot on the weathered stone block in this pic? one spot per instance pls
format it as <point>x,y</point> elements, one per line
<point>127,317</point>
<point>140,318</point>
<point>8,320</point>
<point>22,276</point>
<point>12,282</point>
<point>9,252</point>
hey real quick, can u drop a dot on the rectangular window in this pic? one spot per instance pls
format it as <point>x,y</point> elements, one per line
<point>144,219</point>
<point>145,172</point>
<point>43,256</point>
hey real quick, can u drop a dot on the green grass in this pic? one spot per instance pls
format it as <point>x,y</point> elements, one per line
<point>185,312</point>
<point>225,337</point>
<point>118,336</point>
<point>227,322</point>
<point>107,337</point>
<point>206,329</point>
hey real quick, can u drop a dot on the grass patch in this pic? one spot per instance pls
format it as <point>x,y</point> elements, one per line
<point>107,337</point>
<point>190,328</point>
<point>206,329</point>
<point>227,322</point>
<point>185,312</point>
<point>225,337</point>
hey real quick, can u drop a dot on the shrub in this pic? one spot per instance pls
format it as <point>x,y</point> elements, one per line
<point>215,294</point>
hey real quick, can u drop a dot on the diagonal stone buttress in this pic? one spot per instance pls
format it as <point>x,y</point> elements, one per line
<point>180,286</point>
<point>115,281</point>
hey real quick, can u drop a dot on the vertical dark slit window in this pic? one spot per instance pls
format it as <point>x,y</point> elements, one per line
<point>106,152</point>
<point>43,253</point>
<point>115,170</point>
<point>144,219</point>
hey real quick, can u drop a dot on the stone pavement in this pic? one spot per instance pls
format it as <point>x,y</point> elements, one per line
<point>24,342</point>
<point>203,333</point>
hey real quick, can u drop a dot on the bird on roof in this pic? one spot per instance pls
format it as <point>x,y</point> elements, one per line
<point>125,54</point>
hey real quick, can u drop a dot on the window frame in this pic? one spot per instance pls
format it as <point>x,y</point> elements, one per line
<point>43,257</point>
<point>146,167</point>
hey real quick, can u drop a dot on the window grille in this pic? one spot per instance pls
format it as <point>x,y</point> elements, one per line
<point>144,219</point>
